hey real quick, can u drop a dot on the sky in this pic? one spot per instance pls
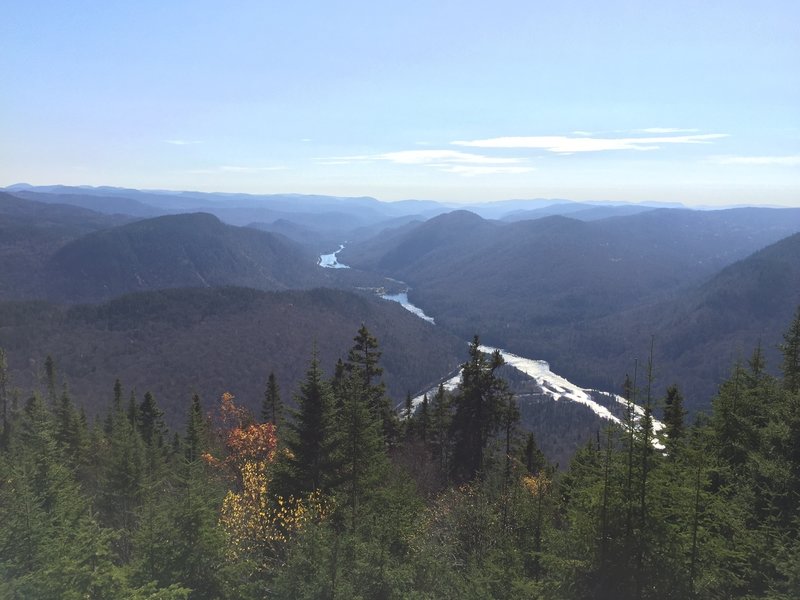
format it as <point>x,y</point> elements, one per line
<point>461,101</point>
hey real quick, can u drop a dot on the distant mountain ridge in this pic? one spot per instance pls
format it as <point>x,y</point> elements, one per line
<point>584,290</point>
<point>587,296</point>
<point>177,251</point>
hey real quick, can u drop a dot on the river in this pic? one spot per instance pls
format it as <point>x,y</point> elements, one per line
<point>551,384</point>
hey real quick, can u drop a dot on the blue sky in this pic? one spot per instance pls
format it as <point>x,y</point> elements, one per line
<point>693,102</point>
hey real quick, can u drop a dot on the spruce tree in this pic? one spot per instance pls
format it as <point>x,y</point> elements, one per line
<point>480,406</point>
<point>195,431</point>
<point>441,419</point>
<point>423,420</point>
<point>5,432</point>
<point>311,430</point>
<point>673,417</point>
<point>50,379</point>
<point>533,457</point>
<point>363,367</point>
<point>150,421</point>
<point>361,452</point>
<point>272,407</point>
<point>791,355</point>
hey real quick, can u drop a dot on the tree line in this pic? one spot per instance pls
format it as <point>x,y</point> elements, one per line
<point>336,495</point>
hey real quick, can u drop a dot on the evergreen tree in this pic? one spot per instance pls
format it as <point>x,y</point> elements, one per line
<point>121,484</point>
<point>361,453</point>
<point>195,431</point>
<point>272,408</point>
<point>791,355</point>
<point>533,458</point>
<point>116,407</point>
<point>363,367</point>
<point>50,379</point>
<point>71,432</point>
<point>441,420</point>
<point>5,432</point>
<point>423,420</point>
<point>133,410</point>
<point>150,421</point>
<point>673,417</point>
<point>311,432</point>
<point>480,405</point>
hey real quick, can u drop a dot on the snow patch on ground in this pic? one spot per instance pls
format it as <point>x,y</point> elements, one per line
<point>402,298</point>
<point>555,386</point>
<point>329,261</point>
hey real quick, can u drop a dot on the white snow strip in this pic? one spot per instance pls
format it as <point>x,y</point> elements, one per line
<point>658,426</point>
<point>402,298</point>
<point>449,386</point>
<point>553,385</point>
<point>329,261</point>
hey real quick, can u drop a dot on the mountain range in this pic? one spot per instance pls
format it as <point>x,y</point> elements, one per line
<point>137,284</point>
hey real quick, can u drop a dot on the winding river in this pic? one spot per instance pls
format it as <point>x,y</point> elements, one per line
<point>551,384</point>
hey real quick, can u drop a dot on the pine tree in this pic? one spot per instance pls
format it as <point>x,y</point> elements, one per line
<point>50,379</point>
<point>5,432</point>
<point>533,457</point>
<point>363,367</point>
<point>150,421</point>
<point>480,404</point>
<point>311,431</point>
<point>121,484</point>
<point>116,407</point>
<point>423,420</point>
<point>673,417</point>
<point>361,452</point>
<point>441,420</point>
<point>272,407</point>
<point>195,431</point>
<point>791,355</point>
<point>71,433</point>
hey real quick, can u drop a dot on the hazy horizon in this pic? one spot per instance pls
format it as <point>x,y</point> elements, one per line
<point>455,102</point>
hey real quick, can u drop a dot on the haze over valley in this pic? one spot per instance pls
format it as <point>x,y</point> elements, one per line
<point>582,288</point>
<point>400,300</point>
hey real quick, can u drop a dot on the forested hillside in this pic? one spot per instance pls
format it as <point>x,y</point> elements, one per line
<point>177,342</point>
<point>31,232</point>
<point>588,296</point>
<point>341,499</point>
<point>194,250</point>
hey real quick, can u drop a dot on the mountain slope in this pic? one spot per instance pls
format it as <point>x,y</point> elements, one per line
<point>588,296</point>
<point>467,273</point>
<point>697,335</point>
<point>30,232</point>
<point>174,342</point>
<point>109,205</point>
<point>176,251</point>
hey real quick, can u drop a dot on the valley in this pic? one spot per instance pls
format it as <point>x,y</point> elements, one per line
<point>177,347</point>
<point>583,287</point>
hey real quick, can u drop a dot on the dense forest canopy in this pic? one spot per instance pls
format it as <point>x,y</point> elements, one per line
<point>338,497</point>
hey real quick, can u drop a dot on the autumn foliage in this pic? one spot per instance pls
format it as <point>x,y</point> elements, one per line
<point>256,521</point>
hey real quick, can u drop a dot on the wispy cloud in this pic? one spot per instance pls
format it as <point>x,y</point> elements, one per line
<point>183,142</point>
<point>473,170</point>
<point>665,130</point>
<point>236,169</point>
<point>422,157</point>
<point>562,144</point>
<point>783,161</point>
<point>447,161</point>
<point>240,169</point>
